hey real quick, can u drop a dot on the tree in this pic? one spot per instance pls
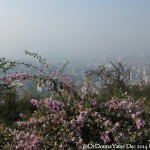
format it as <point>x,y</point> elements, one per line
<point>54,81</point>
<point>8,105</point>
<point>114,77</point>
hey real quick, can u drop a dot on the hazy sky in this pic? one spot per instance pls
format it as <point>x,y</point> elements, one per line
<point>74,27</point>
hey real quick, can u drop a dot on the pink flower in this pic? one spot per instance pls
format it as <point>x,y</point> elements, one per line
<point>32,120</point>
<point>138,113</point>
<point>133,116</point>
<point>21,115</point>
<point>139,123</point>
<point>41,119</point>
<point>107,123</point>
<point>18,137</point>
<point>61,146</point>
<point>93,102</point>
<point>82,116</point>
<point>32,137</point>
<point>105,137</point>
<point>52,104</point>
<point>35,102</point>
<point>46,65</point>
<point>21,123</point>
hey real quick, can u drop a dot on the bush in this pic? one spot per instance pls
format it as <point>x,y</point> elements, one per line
<point>70,117</point>
<point>56,126</point>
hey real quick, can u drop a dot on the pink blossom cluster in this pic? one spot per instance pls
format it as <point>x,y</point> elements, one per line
<point>21,115</point>
<point>52,126</point>
<point>67,83</point>
<point>32,133</point>
<point>139,123</point>
<point>82,116</point>
<point>16,76</point>
<point>105,137</point>
<point>49,103</point>
<point>35,102</point>
<point>93,102</point>
<point>76,133</point>
<point>31,121</point>
<point>107,123</point>
<point>129,108</point>
<point>52,105</point>
<point>46,65</point>
<point>30,141</point>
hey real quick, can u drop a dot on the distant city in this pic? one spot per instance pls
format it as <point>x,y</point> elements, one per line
<point>139,67</point>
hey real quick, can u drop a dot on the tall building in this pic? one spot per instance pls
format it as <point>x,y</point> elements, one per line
<point>145,77</point>
<point>39,87</point>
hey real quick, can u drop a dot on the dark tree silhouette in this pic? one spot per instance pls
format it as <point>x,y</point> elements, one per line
<point>113,77</point>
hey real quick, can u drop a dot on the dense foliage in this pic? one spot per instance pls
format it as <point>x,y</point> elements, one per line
<point>70,117</point>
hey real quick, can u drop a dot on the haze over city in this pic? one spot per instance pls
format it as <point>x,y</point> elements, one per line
<point>74,74</point>
<point>99,28</point>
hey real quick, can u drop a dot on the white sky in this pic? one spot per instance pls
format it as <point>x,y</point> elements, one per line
<point>74,27</point>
